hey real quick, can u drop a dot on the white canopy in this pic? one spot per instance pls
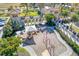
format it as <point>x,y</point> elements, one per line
<point>30,28</point>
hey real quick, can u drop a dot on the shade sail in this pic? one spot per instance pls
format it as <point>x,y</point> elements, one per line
<point>30,28</point>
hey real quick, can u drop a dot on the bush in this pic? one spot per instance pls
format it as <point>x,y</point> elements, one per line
<point>9,45</point>
<point>13,25</point>
<point>7,30</point>
<point>75,17</point>
<point>65,21</point>
<point>17,23</point>
<point>49,18</point>
<point>64,12</point>
<point>74,46</point>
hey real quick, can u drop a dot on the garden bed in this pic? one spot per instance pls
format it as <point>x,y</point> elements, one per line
<point>73,45</point>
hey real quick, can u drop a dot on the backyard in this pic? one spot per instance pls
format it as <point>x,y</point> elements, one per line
<point>31,30</point>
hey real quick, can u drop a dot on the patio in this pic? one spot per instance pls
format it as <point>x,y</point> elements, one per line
<point>39,46</point>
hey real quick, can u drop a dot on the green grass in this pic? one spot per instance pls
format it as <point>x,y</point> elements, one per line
<point>32,13</point>
<point>23,52</point>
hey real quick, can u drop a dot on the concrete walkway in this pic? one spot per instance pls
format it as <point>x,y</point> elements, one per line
<point>30,50</point>
<point>69,50</point>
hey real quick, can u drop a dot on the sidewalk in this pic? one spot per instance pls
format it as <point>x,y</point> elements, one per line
<point>69,50</point>
<point>30,50</point>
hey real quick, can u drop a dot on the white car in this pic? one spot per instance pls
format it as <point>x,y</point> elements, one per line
<point>2,22</point>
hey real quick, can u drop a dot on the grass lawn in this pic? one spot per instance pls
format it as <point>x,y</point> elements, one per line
<point>23,52</point>
<point>34,13</point>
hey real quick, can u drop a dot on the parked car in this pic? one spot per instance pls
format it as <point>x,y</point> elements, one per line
<point>2,22</point>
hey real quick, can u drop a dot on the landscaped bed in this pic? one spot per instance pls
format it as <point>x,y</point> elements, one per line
<point>73,45</point>
<point>74,28</point>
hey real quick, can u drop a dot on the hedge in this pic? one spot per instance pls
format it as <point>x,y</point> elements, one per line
<point>73,45</point>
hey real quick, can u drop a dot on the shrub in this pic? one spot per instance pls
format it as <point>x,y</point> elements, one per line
<point>32,13</point>
<point>49,18</point>
<point>13,25</point>
<point>9,45</point>
<point>64,12</point>
<point>65,21</point>
<point>7,30</point>
<point>75,17</point>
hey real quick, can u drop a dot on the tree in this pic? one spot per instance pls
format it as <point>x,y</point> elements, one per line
<point>78,12</point>
<point>14,24</point>
<point>75,18</point>
<point>64,13</point>
<point>72,9</point>
<point>49,18</point>
<point>25,5</point>
<point>7,30</point>
<point>10,8</point>
<point>9,46</point>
